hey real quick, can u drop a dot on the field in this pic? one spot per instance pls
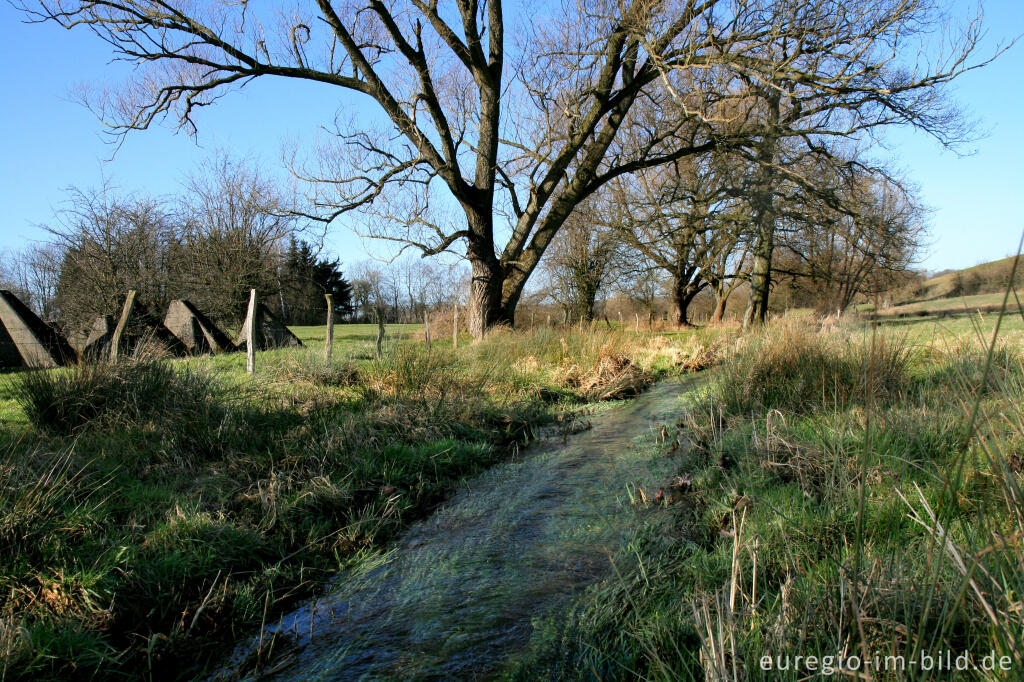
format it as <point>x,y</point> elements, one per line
<point>988,278</point>
<point>848,489</point>
<point>852,494</point>
<point>154,512</point>
<point>962,306</point>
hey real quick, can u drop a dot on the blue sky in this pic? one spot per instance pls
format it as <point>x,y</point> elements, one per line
<point>51,142</point>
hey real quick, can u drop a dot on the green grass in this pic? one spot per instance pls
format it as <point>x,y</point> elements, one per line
<point>152,513</point>
<point>351,335</point>
<point>942,331</point>
<point>989,277</point>
<point>825,463</point>
<point>954,305</point>
<point>957,303</point>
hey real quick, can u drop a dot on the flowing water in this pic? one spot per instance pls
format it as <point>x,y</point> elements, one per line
<point>457,595</point>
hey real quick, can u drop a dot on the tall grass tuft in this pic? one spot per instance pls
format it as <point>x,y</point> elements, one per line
<point>851,496</point>
<point>310,367</point>
<point>796,367</point>
<point>66,401</point>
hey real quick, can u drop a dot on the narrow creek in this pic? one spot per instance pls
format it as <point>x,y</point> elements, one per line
<point>456,596</point>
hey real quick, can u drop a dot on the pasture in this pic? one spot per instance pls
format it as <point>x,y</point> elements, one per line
<point>155,512</point>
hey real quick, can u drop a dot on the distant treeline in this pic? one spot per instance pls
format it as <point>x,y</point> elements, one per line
<point>224,235</point>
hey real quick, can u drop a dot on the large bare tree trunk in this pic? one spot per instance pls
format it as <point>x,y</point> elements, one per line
<point>683,294</point>
<point>485,309</point>
<point>762,204</point>
<point>721,299</point>
<point>760,279</point>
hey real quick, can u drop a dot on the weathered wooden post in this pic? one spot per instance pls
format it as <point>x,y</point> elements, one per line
<point>380,333</point>
<point>251,322</point>
<point>426,328</point>
<point>126,313</point>
<point>455,326</point>
<point>329,346</point>
<point>637,322</point>
<point>549,319</point>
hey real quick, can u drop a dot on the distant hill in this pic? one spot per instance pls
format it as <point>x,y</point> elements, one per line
<point>987,278</point>
<point>955,292</point>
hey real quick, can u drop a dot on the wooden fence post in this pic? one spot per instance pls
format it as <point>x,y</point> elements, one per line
<point>126,313</point>
<point>426,328</point>
<point>637,322</point>
<point>455,326</point>
<point>250,334</point>
<point>329,347</point>
<point>380,334</point>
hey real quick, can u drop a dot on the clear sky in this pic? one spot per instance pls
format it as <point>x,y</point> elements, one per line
<point>51,142</point>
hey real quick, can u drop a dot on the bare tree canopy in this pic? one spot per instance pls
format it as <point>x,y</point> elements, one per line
<point>110,243</point>
<point>830,72</point>
<point>524,142</point>
<point>688,220</point>
<point>484,145</point>
<point>861,248</point>
<point>583,261</point>
<point>234,228</point>
<point>225,234</point>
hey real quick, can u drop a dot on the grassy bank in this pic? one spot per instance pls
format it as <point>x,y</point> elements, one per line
<point>151,512</point>
<point>848,494</point>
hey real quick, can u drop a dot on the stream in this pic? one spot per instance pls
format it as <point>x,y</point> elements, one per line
<point>456,596</point>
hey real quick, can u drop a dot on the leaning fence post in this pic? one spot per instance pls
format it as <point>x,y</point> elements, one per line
<point>250,334</point>
<point>329,347</point>
<point>126,313</point>
<point>455,326</point>
<point>380,334</point>
<point>426,328</point>
<point>637,315</point>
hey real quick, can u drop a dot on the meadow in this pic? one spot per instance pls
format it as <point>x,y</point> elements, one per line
<point>852,497</point>
<point>153,512</point>
<point>849,489</point>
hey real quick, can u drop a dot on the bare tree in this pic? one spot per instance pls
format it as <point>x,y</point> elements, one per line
<point>644,284</point>
<point>33,274</point>
<point>581,262</point>
<point>110,243</point>
<point>526,147</point>
<point>366,291</point>
<point>234,231</point>
<point>686,219</point>
<point>832,70</point>
<point>376,291</point>
<point>725,264</point>
<point>865,248</point>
